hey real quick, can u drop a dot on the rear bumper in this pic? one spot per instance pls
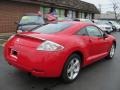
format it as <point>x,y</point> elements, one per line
<point>29,70</point>
<point>38,63</point>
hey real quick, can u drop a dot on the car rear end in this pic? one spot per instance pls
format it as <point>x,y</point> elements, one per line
<point>21,51</point>
<point>108,28</point>
<point>105,28</point>
<point>30,21</point>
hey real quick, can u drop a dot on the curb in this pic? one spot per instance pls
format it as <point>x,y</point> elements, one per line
<point>5,35</point>
<point>2,45</point>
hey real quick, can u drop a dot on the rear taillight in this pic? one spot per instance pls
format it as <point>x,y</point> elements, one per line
<point>50,46</point>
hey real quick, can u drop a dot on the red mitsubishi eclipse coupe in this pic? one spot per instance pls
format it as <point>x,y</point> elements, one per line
<point>59,50</point>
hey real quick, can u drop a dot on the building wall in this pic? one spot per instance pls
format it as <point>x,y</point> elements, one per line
<point>70,13</point>
<point>10,12</point>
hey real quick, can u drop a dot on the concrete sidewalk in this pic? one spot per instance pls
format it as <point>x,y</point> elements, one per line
<point>4,37</point>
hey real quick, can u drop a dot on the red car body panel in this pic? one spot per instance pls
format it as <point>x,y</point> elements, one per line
<point>50,64</point>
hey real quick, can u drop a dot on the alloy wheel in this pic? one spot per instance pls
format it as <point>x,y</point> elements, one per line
<point>73,68</point>
<point>112,51</point>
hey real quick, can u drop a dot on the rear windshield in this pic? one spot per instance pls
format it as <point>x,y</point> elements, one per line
<point>32,19</point>
<point>53,28</point>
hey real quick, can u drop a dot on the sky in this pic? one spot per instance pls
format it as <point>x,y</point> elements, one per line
<point>106,5</point>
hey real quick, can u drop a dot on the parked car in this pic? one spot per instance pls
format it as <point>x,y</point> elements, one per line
<point>86,20</point>
<point>83,20</point>
<point>59,50</point>
<point>105,26</point>
<point>60,19</point>
<point>30,21</point>
<point>115,24</point>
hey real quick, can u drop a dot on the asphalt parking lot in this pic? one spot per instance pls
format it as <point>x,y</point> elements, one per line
<point>103,75</point>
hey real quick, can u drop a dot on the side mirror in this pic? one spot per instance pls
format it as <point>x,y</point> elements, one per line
<point>107,32</point>
<point>105,35</point>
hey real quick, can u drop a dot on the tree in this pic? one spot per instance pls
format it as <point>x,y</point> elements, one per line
<point>115,7</point>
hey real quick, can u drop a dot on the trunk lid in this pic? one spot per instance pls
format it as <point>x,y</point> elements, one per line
<point>28,40</point>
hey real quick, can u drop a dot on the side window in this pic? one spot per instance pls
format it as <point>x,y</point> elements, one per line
<point>82,32</point>
<point>94,31</point>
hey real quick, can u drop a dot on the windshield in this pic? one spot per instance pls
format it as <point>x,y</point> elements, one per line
<point>31,20</point>
<point>53,28</point>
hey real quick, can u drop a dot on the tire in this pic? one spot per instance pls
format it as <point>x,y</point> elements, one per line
<point>71,68</point>
<point>111,52</point>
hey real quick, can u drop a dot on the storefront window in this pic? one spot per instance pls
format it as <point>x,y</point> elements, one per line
<point>73,14</point>
<point>82,15</point>
<point>69,14</point>
<point>44,10</point>
<point>47,10</point>
<point>90,16</point>
<point>57,11</point>
<point>60,12</point>
<point>41,10</point>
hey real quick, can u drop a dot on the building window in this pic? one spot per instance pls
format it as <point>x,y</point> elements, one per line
<point>93,15</point>
<point>47,10</point>
<point>66,12</point>
<point>44,10</point>
<point>41,10</point>
<point>90,16</point>
<point>86,14</point>
<point>60,12</point>
<point>71,14</point>
<point>82,15</point>
<point>77,14</point>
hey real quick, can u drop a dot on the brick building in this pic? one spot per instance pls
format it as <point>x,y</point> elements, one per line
<point>12,10</point>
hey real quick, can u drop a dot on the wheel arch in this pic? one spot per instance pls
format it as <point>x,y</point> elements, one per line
<point>77,52</point>
<point>80,54</point>
<point>114,42</point>
<point>72,51</point>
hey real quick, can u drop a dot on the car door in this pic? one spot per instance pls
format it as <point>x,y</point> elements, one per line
<point>83,35</point>
<point>98,44</point>
<point>84,41</point>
